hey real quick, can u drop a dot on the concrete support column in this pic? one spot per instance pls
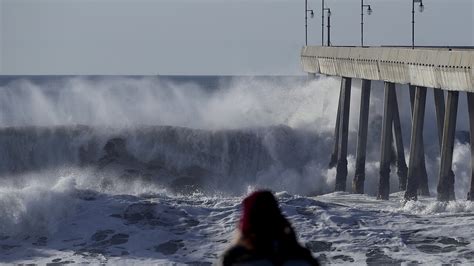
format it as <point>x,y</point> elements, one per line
<point>416,144</point>
<point>470,105</point>
<point>359,178</point>
<point>385,149</point>
<point>440,109</point>
<point>333,159</point>
<point>341,168</point>
<point>423,188</point>
<point>402,168</point>
<point>446,179</point>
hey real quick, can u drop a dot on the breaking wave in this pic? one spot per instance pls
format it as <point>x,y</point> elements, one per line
<point>148,135</point>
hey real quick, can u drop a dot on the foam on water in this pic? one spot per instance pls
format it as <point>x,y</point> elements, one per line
<point>438,207</point>
<point>147,170</point>
<point>36,207</point>
<point>340,228</point>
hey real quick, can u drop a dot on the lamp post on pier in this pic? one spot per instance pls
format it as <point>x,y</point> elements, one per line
<point>369,12</point>
<point>322,22</point>
<point>329,25</point>
<point>306,11</point>
<point>421,8</point>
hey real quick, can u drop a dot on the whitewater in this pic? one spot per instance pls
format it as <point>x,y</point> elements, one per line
<point>152,170</point>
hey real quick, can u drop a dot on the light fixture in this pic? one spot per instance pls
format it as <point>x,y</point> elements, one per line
<point>369,11</point>
<point>329,24</point>
<point>421,7</point>
<point>311,14</point>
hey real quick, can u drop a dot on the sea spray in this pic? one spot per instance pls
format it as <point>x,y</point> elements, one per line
<point>152,170</point>
<point>43,116</point>
<point>37,208</point>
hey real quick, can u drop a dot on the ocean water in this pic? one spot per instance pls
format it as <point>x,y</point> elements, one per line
<point>152,170</point>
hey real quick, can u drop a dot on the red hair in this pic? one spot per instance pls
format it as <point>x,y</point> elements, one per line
<point>262,222</point>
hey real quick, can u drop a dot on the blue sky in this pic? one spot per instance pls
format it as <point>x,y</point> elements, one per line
<point>204,36</point>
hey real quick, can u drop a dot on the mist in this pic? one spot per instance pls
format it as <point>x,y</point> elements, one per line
<point>292,117</point>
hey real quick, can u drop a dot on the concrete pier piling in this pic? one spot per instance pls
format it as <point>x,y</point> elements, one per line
<point>333,159</point>
<point>417,156</point>
<point>446,178</point>
<point>359,177</point>
<point>402,168</point>
<point>385,151</point>
<point>440,109</point>
<point>420,171</point>
<point>470,104</point>
<point>341,168</point>
<point>448,69</point>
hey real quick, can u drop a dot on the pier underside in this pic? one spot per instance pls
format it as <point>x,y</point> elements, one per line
<point>440,69</point>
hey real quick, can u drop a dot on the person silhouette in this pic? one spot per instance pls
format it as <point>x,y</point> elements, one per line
<point>265,237</point>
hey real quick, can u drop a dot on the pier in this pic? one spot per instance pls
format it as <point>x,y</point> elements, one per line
<point>446,70</point>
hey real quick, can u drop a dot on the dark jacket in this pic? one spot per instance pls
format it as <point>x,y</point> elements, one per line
<point>288,256</point>
<point>266,236</point>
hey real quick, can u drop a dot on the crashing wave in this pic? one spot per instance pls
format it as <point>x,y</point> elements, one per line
<point>183,159</point>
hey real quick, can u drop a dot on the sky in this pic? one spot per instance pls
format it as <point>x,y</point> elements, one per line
<point>205,37</point>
